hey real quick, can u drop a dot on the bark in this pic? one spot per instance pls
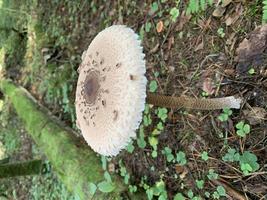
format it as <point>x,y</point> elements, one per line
<point>74,162</point>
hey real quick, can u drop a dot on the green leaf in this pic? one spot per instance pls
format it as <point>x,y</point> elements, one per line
<point>106,186</point>
<point>130,147</point>
<point>200,184</point>
<point>147,26</point>
<point>153,141</point>
<point>180,158</point>
<point>231,155</point>
<point>154,7</point>
<point>204,156</point>
<point>250,159</point>
<point>240,125</point>
<point>107,176</point>
<point>149,193</point>
<point>179,196</point>
<point>160,126</point>
<point>153,86</point>
<point>92,188</point>
<point>223,117</point>
<point>174,12</point>
<point>221,191</point>
<point>212,175</point>
<point>154,154</point>
<point>246,128</point>
<point>126,179</point>
<point>190,194</point>
<point>104,162</point>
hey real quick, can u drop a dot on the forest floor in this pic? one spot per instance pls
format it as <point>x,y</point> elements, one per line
<point>186,154</point>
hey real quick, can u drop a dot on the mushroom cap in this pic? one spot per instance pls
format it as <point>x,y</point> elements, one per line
<point>111,90</point>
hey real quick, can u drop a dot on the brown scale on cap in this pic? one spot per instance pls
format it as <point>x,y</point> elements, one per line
<point>91,87</point>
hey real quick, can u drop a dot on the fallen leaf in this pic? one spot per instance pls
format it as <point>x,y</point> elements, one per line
<point>219,11</point>
<point>200,46</point>
<point>226,2</point>
<point>231,19</point>
<point>170,42</point>
<point>181,170</point>
<point>155,48</point>
<point>160,26</point>
<point>256,115</point>
<point>250,51</point>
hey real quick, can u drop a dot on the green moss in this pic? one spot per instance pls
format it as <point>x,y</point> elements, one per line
<point>76,165</point>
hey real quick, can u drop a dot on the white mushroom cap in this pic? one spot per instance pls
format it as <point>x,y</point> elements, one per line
<point>111,90</point>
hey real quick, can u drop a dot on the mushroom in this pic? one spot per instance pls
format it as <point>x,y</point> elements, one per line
<point>111,91</point>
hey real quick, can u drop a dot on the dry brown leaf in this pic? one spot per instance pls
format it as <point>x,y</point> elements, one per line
<point>231,19</point>
<point>250,51</point>
<point>256,115</point>
<point>181,170</point>
<point>226,2</point>
<point>160,26</point>
<point>219,11</point>
<point>200,46</point>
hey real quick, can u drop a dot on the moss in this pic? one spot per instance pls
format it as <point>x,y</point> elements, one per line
<point>75,164</point>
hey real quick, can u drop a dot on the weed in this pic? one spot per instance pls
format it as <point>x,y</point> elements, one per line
<point>264,11</point>
<point>242,129</point>
<point>221,32</point>
<point>223,117</point>
<point>153,86</point>
<point>204,156</point>
<point>168,153</point>
<point>180,158</point>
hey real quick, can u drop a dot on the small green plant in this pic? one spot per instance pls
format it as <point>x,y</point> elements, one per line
<point>195,6</point>
<point>154,7</point>
<point>227,112</point>
<point>264,11</point>
<point>162,114</point>
<point>180,158</point>
<point>179,196</point>
<point>242,129</point>
<point>148,26</point>
<point>212,174</point>
<point>130,147</point>
<point>204,156</point>
<point>153,141</point>
<point>220,192</point>
<point>141,139</point>
<point>153,86</point>
<point>200,184</point>
<point>124,173</point>
<point>174,12</point>
<point>221,32</point>
<point>168,153</point>
<point>231,156</point>
<point>251,71</point>
<point>132,188</point>
<point>248,163</point>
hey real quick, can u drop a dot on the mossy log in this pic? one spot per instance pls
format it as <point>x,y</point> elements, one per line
<point>32,167</point>
<point>74,162</point>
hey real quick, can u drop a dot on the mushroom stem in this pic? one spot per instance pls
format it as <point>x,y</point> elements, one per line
<point>192,103</point>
